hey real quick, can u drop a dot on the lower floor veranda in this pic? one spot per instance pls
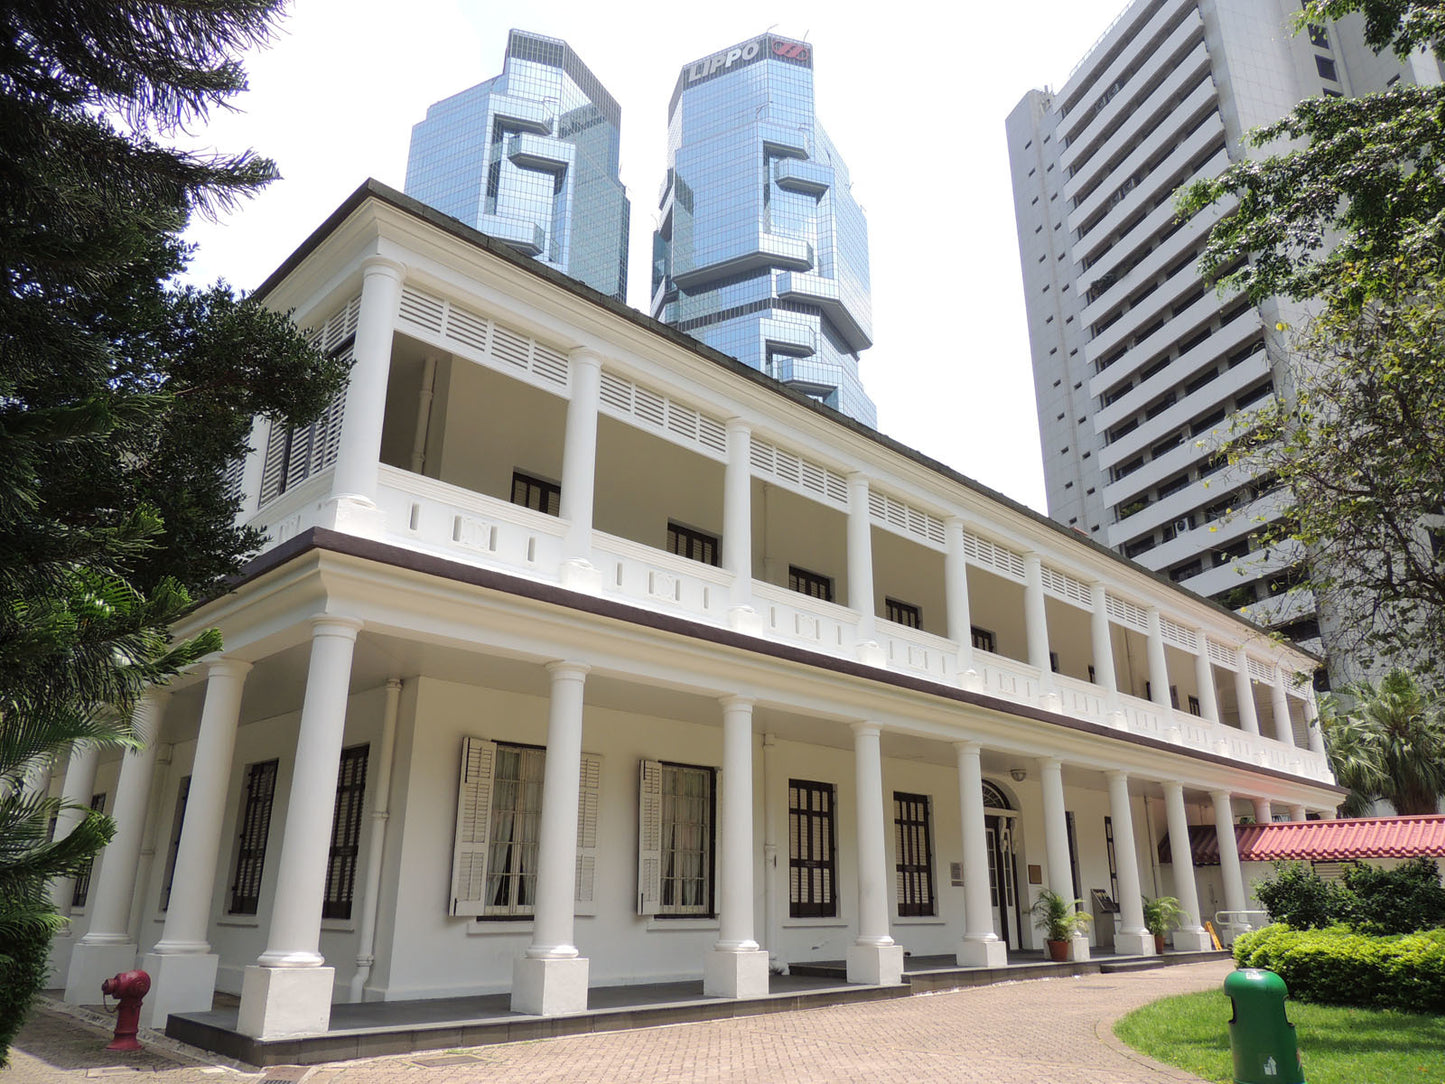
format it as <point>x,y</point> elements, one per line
<point>406,780</point>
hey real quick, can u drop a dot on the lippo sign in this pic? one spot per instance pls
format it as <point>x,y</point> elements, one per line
<point>764,48</point>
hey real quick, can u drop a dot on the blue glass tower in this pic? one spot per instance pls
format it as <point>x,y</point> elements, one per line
<point>763,252</point>
<point>530,158</point>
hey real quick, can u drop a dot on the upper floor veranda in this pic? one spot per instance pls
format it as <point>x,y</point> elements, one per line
<point>502,416</point>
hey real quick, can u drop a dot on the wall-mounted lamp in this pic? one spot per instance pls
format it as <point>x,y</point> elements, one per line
<point>1018,774</point>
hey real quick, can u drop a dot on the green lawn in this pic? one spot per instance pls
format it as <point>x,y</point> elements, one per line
<point>1339,1046</point>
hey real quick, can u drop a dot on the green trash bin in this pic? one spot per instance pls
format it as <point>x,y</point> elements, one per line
<point>1260,1036</point>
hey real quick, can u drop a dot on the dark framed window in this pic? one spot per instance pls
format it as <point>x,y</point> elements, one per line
<point>983,640</point>
<point>812,850</point>
<point>81,892</point>
<point>914,854</point>
<point>692,544</point>
<point>1113,859</point>
<point>810,583</point>
<point>251,843</point>
<point>183,794</point>
<point>1326,67</point>
<point>345,833</point>
<point>903,613</point>
<point>1194,707</point>
<point>688,832</point>
<point>536,494</point>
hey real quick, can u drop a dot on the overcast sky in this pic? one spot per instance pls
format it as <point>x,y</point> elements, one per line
<point>914,96</point>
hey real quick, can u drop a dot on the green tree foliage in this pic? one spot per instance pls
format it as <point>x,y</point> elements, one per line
<point>123,395</point>
<point>1297,896</point>
<point>1387,741</point>
<point>1350,216</point>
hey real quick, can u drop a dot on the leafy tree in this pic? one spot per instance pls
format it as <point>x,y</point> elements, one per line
<point>1405,899</point>
<point>1299,897</point>
<point>1351,218</point>
<point>123,395</point>
<point>1387,744</point>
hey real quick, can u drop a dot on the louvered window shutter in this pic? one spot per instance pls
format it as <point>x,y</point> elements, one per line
<point>274,468</point>
<point>649,838</point>
<point>474,814</point>
<point>588,807</point>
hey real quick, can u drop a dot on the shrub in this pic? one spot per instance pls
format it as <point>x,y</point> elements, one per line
<point>1297,896</point>
<point>1400,900</point>
<point>1339,967</point>
<point>24,969</point>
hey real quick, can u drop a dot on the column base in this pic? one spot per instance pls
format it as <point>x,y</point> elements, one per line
<point>91,965</point>
<point>285,1002</point>
<point>549,987</point>
<point>1079,948</point>
<point>735,974</point>
<point>971,680</point>
<point>352,515</point>
<point>1192,941</point>
<point>62,947</point>
<point>746,620</point>
<point>579,574</point>
<point>1134,944</point>
<point>982,953</point>
<point>875,965</point>
<point>1052,702</point>
<point>180,982</point>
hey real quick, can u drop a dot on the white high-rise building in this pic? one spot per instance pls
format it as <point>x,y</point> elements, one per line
<point>1138,364</point>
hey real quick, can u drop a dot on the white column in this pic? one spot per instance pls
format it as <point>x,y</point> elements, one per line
<point>1298,813</point>
<point>1158,664</point>
<point>1103,643</point>
<point>76,790</point>
<point>736,967</point>
<point>1263,814</point>
<point>1132,938</point>
<point>1056,842</point>
<point>1279,704</point>
<point>358,452</point>
<point>1228,850</point>
<point>106,949</point>
<point>579,469</point>
<point>955,598</point>
<point>1244,696</point>
<point>376,844</point>
<point>980,946</point>
<point>737,537</point>
<point>181,966</point>
<point>1317,736</point>
<point>551,978</point>
<point>287,991</point>
<point>1204,678</point>
<point>860,564</point>
<point>1191,935</point>
<point>1036,618</point>
<point>873,958</point>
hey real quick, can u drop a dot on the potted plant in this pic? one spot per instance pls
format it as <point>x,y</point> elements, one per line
<point>1060,919</point>
<point>1160,916</point>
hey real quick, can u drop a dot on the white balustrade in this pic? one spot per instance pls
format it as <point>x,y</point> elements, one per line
<point>661,580</point>
<point>799,618</point>
<point>918,652</point>
<point>1008,678</point>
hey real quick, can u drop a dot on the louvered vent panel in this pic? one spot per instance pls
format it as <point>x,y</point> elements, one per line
<point>799,473</point>
<point>984,553</point>
<point>510,347</point>
<point>905,517</point>
<point>1178,635</point>
<point>1062,585</point>
<point>1260,672</point>
<point>657,411</point>
<point>712,434</point>
<point>549,364</point>
<point>1221,655</point>
<point>1126,613</point>
<point>421,309</point>
<point>468,329</point>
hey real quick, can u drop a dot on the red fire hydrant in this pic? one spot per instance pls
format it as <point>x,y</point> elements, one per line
<point>130,987</point>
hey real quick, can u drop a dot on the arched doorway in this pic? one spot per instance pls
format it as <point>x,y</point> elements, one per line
<point>1000,826</point>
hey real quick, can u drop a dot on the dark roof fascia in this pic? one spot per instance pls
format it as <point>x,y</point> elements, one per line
<point>374,189</point>
<point>325,540</point>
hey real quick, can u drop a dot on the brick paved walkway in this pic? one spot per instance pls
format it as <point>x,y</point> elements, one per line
<point>1050,1031</point>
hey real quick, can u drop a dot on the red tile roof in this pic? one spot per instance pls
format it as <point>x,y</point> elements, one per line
<point>1322,841</point>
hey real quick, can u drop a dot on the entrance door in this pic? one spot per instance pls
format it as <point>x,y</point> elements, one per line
<point>1003,879</point>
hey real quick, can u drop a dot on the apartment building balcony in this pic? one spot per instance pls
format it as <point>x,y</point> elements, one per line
<point>1084,140</point>
<point>856,328</point>
<point>527,237</point>
<point>803,175</point>
<point>528,151</point>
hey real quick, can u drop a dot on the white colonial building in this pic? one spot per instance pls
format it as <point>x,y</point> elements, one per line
<point>580,655</point>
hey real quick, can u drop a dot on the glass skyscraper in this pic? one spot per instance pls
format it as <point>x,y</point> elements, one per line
<point>763,252</point>
<point>530,157</point>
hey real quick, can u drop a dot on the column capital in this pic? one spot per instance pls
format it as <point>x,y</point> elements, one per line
<point>585,356</point>
<point>228,666</point>
<point>738,426</point>
<point>394,683</point>
<point>383,265</point>
<point>338,625</point>
<point>1172,785</point>
<point>954,523</point>
<point>1117,774</point>
<point>865,728</point>
<point>736,703</point>
<point>1051,764</point>
<point>568,670</point>
<point>1220,797</point>
<point>968,748</point>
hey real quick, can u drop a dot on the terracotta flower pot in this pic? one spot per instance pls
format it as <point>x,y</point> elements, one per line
<point>1058,951</point>
<point>1159,944</point>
